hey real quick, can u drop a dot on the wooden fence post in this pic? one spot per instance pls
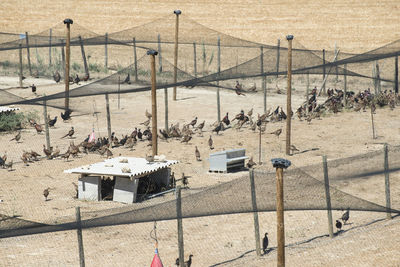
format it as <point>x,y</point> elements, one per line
<point>372,124</point>
<point>28,54</point>
<point>106,51</point>
<point>180,225</point>
<point>84,56</point>
<point>345,84</point>
<point>289,95</point>
<point>68,22</point>
<point>396,74</point>
<point>119,90</point>
<point>277,57</point>
<point>327,196</point>
<point>323,71</point>
<point>50,47</point>
<point>63,56</point>
<point>166,107</point>
<point>255,212</point>
<point>218,71</point>
<point>46,124</point>
<point>80,237</point>
<point>154,136</point>
<point>177,13</point>
<point>108,117</point>
<point>194,60</point>
<point>135,59</point>
<point>387,182</point>
<point>263,79</point>
<point>20,65</point>
<point>159,54</point>
<point>307,90</point>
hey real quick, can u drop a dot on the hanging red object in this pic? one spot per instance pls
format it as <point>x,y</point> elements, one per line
<point>156,260</point>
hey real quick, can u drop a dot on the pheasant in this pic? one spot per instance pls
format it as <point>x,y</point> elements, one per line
<point>197,153</point>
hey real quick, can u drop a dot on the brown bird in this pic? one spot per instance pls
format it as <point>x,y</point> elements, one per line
<point>201,126</point>
<point>250,112</point>
<point>146,123</point>
<point>70,133</point>
<point>210,143</point>
<point>25,158</point>
<point>57,77</point>
<point>17,137</point>
<point>66,155</point>
<point>56,153</point>
<point>186,139</point>
<point>193,122</point>
<point>251,163</point>
<point>197,153</point>
<point>109,153</point>
<point>4,157</point>
<point>9,165</point>
<point>38,128</point>
<point>46,193</point>
<point>218,128</point>
<point>147,114</point>
<point>34,155</point>
<point>46,151</point>
<point>277,132</point>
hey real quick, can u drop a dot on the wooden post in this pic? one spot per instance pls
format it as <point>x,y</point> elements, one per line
<point>159,54</point>
<point>152,54</point>
<point>218,71</point>
<point>259,145</point>
<point>108,117</point>
<point>135,58</point>
<point>263,79</point>
<point>63,56</point>
<point>177,13</point>
<point>180,225</point>
<point>20,65</point>
<point>373,125</point>
<point>277,57</point>
<point>396,74</point>
<point>289,95</point>
<point>83,56</point>
<point>80,237</point>
<point>255,212</point>
<point>50,47</point>
<point>345,85</point>
<point>307,90</point>
<point>336,67</point>
<point>323,71</point>
<point>279,164</point>
<point>194,60</point>
<point>327,196</point>
<point>119,90</point>
<point>166,107</point>
<point>387,182</point>
<point>28,54</point>
<point>106,51</point>
<point>46,125</point>
<point>68,22</point>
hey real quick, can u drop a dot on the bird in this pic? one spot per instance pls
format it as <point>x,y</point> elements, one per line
<point>9,165</point>
<point>251,163</point>
<point>184,179</point>
<point>250,112</point>
<point>145,123</point>
<point>46,151</point>
<point>346,216</point>
<point>76,189</point>
<point>38,128</point>
<point>265,243</point>
<point>86,77</point>
<point>53,121</point>
<point>77,80</point>
<point>201,126</point>
<point>56,153</point>
<point>57,77</point>
<point>338,225</point>
<point>186,139</point>
<point>210,143</point>
<point>127,79</point>
<point>188,263</point>
<point>33,88</point>
<point>197,153</point>
<point>70,133</point>
<point>17,137</point>
<point>226,119</point>
<point>67,115</point>
<point>193,122</point>
<point>34,155</point>
<point>277,132</point>
<point>66,155</point>
<point>218,128</point>
<point>109,153</point>
<point>46,193</point>
<point>147,114</point>
<point>139,134</point>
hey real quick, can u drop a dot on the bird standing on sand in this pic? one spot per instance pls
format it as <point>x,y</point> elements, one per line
<point>251,163</point>
<point>46,151</point>
<point>197,153</point>
<point>193,122</point>
<point>46,193</point>
<point>52,122</point>
<point>277,132</point>
<point>210,143</point>
<point>265,243</point>
<point>33,88</point>
<point>188,263</point>
<point>218,128</point>
<point>70,133</point>
<point>186,139</point>
<point>338,225</point>
<point>226,119</point>
<point>17,137</point>
<point>57,77</point>
<point>346,216</point>
<point>38,127</point>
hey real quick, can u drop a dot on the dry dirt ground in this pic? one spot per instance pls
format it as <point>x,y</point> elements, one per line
<point>219,240</point>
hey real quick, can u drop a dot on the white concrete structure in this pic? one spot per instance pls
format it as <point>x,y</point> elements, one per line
<point>126,171</point>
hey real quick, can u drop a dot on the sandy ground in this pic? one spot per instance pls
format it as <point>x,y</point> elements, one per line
<point>226,240</point>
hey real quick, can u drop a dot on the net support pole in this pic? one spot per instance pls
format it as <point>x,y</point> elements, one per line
<point>219,70</point>
<point>68,22</point>
<point>106,51</point>
<point>345,84</point>
<point>336,67</point>
<point>166,107</point>
<point>263,85</point>
<point>277,57</point>
<point>50,36</point>
<point>135,58</point>
<point>63,56</point>
<point>159,54</point>
<point>387,182</point>
<point>327,196</point>
<point>154,135</point>
<point>20,64</point>
<point>259,145</point>
<point>46,124</point>
<point>307,90</point>
<point>84,56</point>
<point>108,117</point>
<point>323,71</point>
<point>80,237</point>
<point>280,164</point>
<point>255,213</point>
<point>372,125</point>
<point>177,13</point>
<point>396,74</point>
<point>28,54</point>
<point>289,95</point>
<point>180,225</point>
<point>194,60</point>
<point>119,90</point>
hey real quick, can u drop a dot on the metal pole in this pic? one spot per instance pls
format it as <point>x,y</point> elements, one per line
<point>180,225</point>
<point>106,51</point>
<point>219,70</point>
<point>396,74</point>
<point>46,124</point>
<point>67,51</point>
<point>50,47</point>
<point>166,107</point>
<point>194,60</point>
<point>307,90</point>
<point>327,196</point>
<point>84,56</point>
<point>336,67</point>
<point>345,84</point>
<point>20,65</point>
<point>159,53</point>
<point>289,94</point>
<point>277,57</point>
<point>135,58</point>
<point>80,238</point>
<point>152,54</point>
<point>259,145</point>
<point>63,56</point>
<point>28,54</point>
<point>108,117</point>
<point>177,13</point>
<point>373,125</point>
<point>255,213</point>
<point>387,182</point>
<point>119,89</point>
<point>323,71</point>
<point>263,85</point>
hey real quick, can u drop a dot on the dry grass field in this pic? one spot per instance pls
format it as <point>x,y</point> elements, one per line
<point>226,240</point>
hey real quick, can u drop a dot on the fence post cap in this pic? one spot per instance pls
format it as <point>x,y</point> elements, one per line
<point>289,37</point>
<point>177,12</point>
<point>68,21</point>
<point>152,52</point>
<point>280,163</point>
